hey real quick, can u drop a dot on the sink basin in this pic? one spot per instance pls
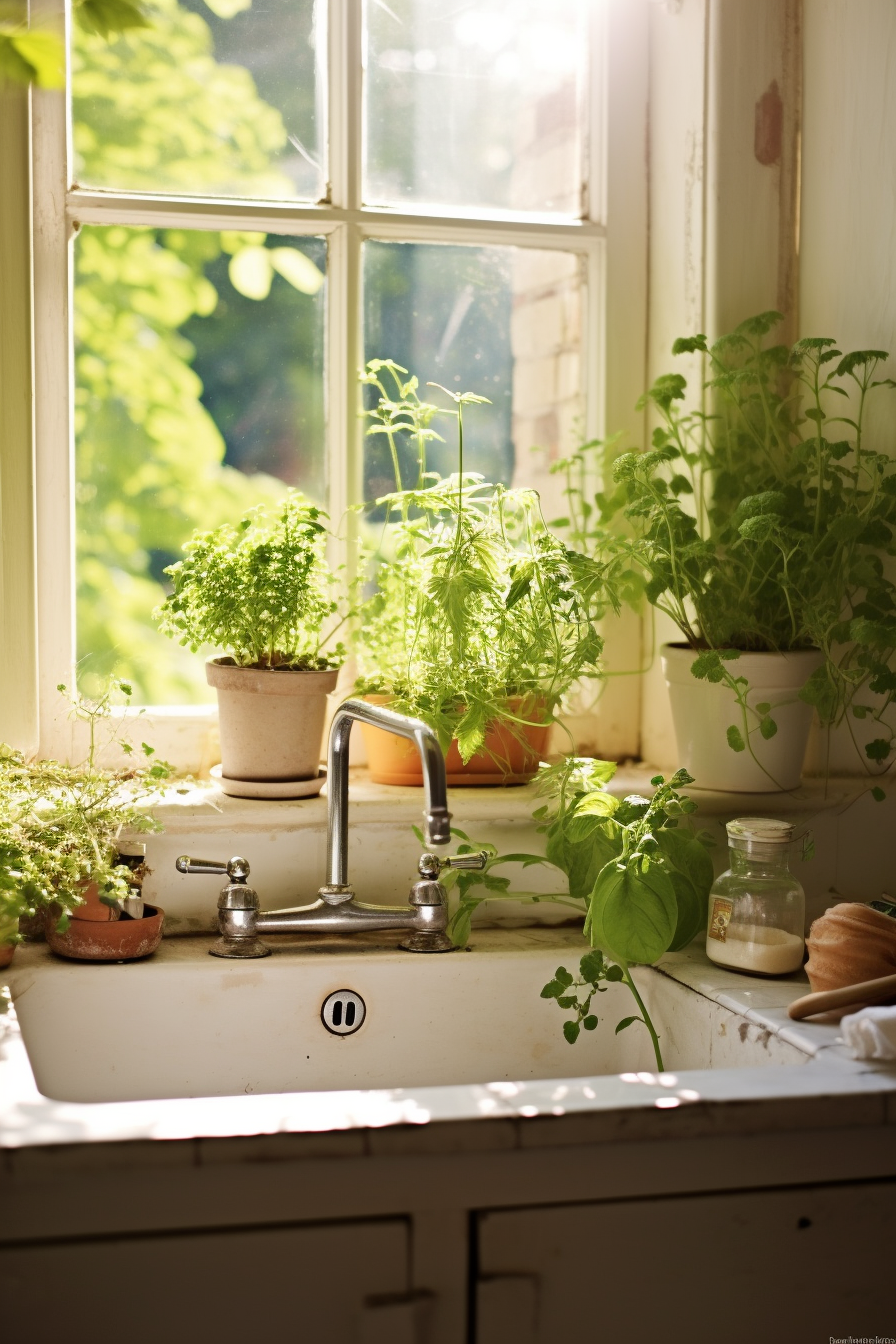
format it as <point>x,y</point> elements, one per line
<point>184,1024</point>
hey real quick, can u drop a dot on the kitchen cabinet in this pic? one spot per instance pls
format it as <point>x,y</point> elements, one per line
<point>800,1265</point>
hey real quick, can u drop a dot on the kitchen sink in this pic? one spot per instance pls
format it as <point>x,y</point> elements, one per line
<point>340,1013</point>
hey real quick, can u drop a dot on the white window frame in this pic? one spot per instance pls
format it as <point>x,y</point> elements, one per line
<point>610,237</point>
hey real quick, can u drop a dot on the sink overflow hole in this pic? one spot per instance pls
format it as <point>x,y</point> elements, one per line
<point>343,1012</point>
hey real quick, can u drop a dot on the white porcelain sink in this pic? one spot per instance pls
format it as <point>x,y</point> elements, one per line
<point>184,1024</point>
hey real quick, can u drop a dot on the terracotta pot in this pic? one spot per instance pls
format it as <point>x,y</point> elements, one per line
<point>93,910</point>
<point>703,711</point>
<point>271,722</point>
<point>848,944</point>
<point>125,940</point>
<point>9,928</point>
<point>511,755</point>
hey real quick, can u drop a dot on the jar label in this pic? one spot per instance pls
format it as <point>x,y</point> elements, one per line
<point>720,917</point>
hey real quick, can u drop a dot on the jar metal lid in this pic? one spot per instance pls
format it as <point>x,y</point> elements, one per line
<point>745,832</point>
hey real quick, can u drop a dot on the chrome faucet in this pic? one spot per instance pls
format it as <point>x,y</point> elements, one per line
<point>240,917</point>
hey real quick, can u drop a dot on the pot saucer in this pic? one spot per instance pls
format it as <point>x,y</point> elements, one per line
<point>269,788</point>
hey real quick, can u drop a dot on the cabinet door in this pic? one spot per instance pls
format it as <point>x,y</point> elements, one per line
<point>329,1284</point>
<point>799,1265</point>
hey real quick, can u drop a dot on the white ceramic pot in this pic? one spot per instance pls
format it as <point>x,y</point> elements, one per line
<point>703,711</point>
<point>271,722</point>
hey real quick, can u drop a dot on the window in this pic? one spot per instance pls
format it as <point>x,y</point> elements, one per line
<point>256,200</point>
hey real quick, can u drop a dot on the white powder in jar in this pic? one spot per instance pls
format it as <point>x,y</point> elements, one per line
<point>757,947</point>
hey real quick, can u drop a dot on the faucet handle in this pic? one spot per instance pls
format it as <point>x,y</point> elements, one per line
<point>236,869</point>
<point>431,865</point>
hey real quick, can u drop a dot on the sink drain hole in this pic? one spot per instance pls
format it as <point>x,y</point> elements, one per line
<point>343,1012</point>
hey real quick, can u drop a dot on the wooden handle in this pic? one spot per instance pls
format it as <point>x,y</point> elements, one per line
<point>826,1000</point>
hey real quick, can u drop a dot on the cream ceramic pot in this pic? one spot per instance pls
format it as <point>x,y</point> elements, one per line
<point>703,711</point>
<point>271,722</point>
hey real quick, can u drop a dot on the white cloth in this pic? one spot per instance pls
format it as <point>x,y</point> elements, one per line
<point>871,1033</point>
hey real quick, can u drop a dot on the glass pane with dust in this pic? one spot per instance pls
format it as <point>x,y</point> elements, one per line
<point>504,322</point>
<point>199,392</point>
<point>210,98</point>
<point>478,104</point>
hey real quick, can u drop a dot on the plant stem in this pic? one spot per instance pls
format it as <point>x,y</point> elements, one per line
<point>645,1017</point>
<point>460,461</point>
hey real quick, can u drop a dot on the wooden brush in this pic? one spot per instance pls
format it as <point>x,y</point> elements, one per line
<point>829,1000</point>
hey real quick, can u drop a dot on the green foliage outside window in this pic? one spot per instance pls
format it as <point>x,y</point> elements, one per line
<point>150,458</point>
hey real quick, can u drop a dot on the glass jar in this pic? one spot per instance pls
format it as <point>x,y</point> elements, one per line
<point>757,909</point>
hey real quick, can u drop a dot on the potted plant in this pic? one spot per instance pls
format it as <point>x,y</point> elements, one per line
<point>481,619</point>
<point>62,828</point>
<point>262,590</point>
<point>759,526</point>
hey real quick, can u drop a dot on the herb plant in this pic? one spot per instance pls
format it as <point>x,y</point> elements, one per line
<point>760,519</point>
<point>60,824</point>
<point>638,876</point>
<point>480,615</point>
<point>261,589</point>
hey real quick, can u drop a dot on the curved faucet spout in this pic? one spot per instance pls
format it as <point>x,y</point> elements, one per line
<point>436,817</point>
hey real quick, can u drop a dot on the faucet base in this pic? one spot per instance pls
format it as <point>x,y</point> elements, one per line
<point>427,942</point>
<point>239,948</point>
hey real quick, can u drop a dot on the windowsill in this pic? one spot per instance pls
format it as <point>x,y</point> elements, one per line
<point>204,807</point>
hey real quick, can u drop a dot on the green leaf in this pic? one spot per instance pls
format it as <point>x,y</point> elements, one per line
<point>735,739</point>
<point>32,54</point>
<point>552,990</point>
<point>106,17</point>
<point>592,967</point>
<point>691,874</point>
<point>228,9</point>
<point>626,1022</point>
<point>878,794</point>
<point>296,268</point>
<point>878,750</point>
<point>597,804</point>
<point>633,913</point>
<point>563,976</point>
<point>571,1032</point>
<point>582,862</point>
<point>767,727</point>
<point>686,345</point>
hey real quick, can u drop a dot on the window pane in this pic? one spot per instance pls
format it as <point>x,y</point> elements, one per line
<point>504,322</point>
<point>477,104</point>
<point>199,392</point>
<point>220,99</point>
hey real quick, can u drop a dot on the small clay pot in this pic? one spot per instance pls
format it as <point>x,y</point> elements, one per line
<point>848,944</point>
<point>271,720</point>
<point>8,930</point>
<point>123,940</point>
<point>93,910</point>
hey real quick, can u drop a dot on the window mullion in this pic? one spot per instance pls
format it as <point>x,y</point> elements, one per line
<point>343,347</point>
<point>344,154</point>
